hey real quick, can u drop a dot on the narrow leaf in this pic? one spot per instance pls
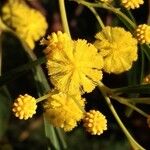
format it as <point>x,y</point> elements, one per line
<point>143,89</point>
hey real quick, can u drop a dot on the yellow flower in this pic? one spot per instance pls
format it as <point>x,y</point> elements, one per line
<point>95,122</point>
<point>64,111</point>
<point>118,48</point>
<point>28,23</point>
<point>143,33</point>
<point>24,107</point>
<point>132,4</point>
<point>75,67</point>
<point>55,42</point>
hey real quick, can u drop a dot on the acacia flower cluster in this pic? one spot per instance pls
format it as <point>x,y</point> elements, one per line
<point>28,23</point>
<point>74,67</point>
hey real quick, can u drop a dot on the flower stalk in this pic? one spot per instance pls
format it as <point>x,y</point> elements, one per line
<point>110,8</point>
<point>134,144</point>
<point>64,17</point>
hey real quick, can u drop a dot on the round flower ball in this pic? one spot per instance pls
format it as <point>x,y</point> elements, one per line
<point>118,48</point>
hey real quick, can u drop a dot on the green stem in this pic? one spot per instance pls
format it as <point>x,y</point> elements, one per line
<point>43,97</point>
<point>126,132</point>
<point>110,8</point>
<point>139,100</point>
<point>0,53</point>
<point>64,17</point>
<point>97,17</point>
<point>123,101</point>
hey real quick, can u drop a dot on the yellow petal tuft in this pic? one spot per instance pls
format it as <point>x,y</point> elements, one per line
<point>24,107</point>
<point>75,67</point>
<point>28,23</point>
<point>118,48</point>
<point>95,122</point>
<point>64,111</point>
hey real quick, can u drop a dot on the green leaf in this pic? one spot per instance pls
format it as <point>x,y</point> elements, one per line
<point>50,133</point>
<point>19,71</point>
<point>142,89</point>
<point>18,52</point>
<point>146,49</point>
<point>43,87</point>
<point>5,103</point>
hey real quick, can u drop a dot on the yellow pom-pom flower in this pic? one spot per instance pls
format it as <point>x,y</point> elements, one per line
<point>55,42</point>
<point>28,23</point>
<point>118,48</point>
<point>95,122</point>
<point>143,33</point>
<point>24,106</point>
<point>132,4</point>
<point>64,111</point>
<point>75,67</point>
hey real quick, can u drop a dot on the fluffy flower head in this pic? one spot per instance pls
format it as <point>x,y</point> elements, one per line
<point>28,23</point>
<point>143,34</point>
<point>132,4</point>
<point>95,122</point>
<point>24,107</point>
<point>75,67</point>
<point>64,111</point>
<point>118,48</point>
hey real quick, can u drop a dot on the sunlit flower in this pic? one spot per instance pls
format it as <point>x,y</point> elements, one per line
<point>28,23</point>
<point>118,48</point>
<point>24,107</point>
<point>95,122</point>
<point>132,4</point>
<point>143,33</point>
<point>64,111</point>
<point>75,67</point>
